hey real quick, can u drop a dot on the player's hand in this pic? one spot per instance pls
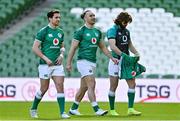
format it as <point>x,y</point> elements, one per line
<point>59,60</point>
<point>69,67</point>
<point>116,61</point>
<point>48,61</point>
<point>137,55</point>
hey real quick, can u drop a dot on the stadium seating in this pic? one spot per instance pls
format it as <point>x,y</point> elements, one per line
<point>154,31</point>
<point>12,9</point>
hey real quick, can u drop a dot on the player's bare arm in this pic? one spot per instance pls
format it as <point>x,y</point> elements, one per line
<point>74,46</point>
<point>106,52</point>
<point>61,56</point>
<point>114,47</point>
<point>38,52</point>
<point>133,49</point>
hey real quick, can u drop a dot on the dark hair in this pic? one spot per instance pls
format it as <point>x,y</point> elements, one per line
<point>51,13</point>
<point>123,16</point>
<point>84,13</point>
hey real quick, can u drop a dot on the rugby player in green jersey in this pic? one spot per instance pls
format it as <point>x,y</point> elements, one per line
<point>120,42</point>
<point>49,47</point>
<point>87,38</point>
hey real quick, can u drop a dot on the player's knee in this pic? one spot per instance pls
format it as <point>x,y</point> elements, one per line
<point>59,85</point>
<point>113,88</point>
<point>132,85</point>
<point>83,89</point>
<point>43,90</point>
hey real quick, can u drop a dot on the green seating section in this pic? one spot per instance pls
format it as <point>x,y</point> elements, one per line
<point>11,9</point>
<point>16,57</point>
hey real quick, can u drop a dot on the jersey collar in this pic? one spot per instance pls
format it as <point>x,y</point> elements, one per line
<point>51,26</point>
<point>88,27</point>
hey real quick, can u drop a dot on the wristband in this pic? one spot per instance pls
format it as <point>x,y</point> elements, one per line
<point>62,49</point>
<point>61,55</point>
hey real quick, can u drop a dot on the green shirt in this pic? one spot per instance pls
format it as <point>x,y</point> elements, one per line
<point>89,39</point>
<point>130,68</point>
<point>51,40</point>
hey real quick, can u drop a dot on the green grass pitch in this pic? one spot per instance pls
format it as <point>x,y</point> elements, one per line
<point>49,111</point>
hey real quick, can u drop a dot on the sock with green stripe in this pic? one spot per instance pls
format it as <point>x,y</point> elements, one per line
<point>61,102</point>
<point>95,106</point>
<point>111,97</point>
<point>131,95</point>
<point>75,105</point>
<point>37,100</point>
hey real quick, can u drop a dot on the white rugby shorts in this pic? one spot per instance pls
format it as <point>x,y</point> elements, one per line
<point>114,69</point>
<point>86,67</point>
<point>45,71</point>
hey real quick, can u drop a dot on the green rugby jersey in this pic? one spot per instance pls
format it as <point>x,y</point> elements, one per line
<point>130,68</point>
<point>51,40</point>
<point>89,39</point>
<point>122,37</point>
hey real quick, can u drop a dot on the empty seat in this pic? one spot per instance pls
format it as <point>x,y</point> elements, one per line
<point>103,11</point>
<point>77,11</point>
<point>94,10</point>
<point>132,11</point>
<point>145,11</point>
<point>129,2</point>
<point>116,10</point>
<point>158,10</point>
<point>156,2</point>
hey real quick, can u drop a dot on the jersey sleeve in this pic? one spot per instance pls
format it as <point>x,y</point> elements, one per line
<point>100,33</point>
<point>78,35</point>
<point>111,33</point>
<point>129,36</point>
<point>63,36</point>
<point>40,35</point>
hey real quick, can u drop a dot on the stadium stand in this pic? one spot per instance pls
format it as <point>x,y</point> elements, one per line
<point>11,10</point>
<point>155,32</point>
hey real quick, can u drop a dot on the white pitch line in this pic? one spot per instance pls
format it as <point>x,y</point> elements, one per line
<point>85,120</point>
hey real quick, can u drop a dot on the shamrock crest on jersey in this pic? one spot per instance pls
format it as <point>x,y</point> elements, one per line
<point>59,35</point>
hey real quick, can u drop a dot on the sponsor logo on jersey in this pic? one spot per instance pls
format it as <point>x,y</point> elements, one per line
<point>93,40</point>
<point>55,41</point>
<point>59,35</point>
<point>124,38</point>
<point>50,35</point>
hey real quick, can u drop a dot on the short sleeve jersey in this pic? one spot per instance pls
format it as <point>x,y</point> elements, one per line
<point>89,39</point>
<point>122,38</point>
<point>51,40</point>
